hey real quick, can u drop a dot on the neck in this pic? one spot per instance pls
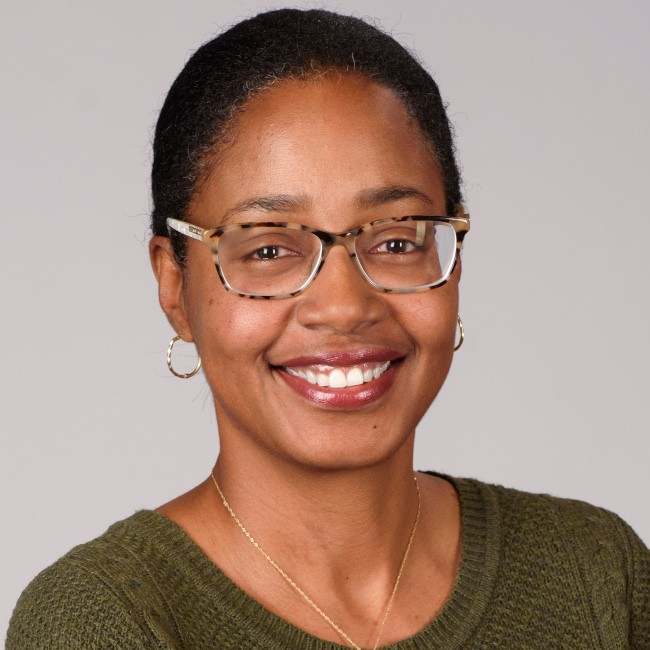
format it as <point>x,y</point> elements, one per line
<point>343,522</point>
<point>328,554</point>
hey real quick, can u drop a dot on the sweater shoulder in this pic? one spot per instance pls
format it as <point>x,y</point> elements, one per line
<point>547,514</point>
<point>95,596</point>
<point>587,544</point>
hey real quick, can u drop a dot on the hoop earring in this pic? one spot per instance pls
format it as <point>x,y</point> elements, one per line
<point>461,330</point>
<point>169,362</point>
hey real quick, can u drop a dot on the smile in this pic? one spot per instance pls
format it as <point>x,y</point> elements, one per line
<point>340,377</point>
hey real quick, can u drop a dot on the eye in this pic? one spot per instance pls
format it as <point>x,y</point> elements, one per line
<point>396,246</point>
<point>396,239</point>
<point>266,253</point>
<point>269,253</point>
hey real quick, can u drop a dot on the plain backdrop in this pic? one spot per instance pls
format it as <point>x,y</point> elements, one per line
<point>550,102</point>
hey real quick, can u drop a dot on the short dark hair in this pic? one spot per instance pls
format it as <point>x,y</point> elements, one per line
<point>288,43</point>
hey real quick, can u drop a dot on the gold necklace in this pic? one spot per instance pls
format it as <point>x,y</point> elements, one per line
<point>296,588</point>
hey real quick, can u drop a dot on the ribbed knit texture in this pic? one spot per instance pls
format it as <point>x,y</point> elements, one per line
<point>536,572</point>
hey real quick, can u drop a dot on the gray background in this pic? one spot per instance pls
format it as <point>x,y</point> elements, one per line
<point>550,102</point>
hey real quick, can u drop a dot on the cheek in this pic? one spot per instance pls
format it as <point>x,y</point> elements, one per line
<point>231,333</point>
<point>430,319</point>
<point>223,324</point>
<point>434,331</point>
<point>233,329</point>
<point>233,336</point>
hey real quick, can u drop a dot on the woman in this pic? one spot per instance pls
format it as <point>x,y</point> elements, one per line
<point>308,158</point>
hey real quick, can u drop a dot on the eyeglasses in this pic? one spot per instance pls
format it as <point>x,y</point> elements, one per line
<point>280,260</point>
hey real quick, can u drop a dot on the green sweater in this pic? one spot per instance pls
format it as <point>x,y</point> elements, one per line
<point>535,572</point>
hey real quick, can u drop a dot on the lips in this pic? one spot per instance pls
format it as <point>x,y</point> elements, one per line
<point>343,380</point>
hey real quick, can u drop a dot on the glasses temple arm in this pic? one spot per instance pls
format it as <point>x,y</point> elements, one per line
<point>185,228</point>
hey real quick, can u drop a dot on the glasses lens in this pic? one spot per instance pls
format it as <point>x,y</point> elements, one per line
<point>407,254</point>
<point>268,260</point>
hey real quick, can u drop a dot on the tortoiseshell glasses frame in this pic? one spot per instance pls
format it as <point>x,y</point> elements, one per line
<point>320,242</point>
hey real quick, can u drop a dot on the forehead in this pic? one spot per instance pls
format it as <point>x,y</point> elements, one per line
<point>324,140</point>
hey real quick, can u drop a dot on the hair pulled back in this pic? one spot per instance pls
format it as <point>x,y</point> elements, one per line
<point>288,43</point>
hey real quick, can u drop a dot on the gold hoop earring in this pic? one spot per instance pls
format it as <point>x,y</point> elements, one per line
<point>169,362</point>
<point>461,330</point>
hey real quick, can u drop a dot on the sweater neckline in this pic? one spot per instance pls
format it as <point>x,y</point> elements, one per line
<point>451,628</point>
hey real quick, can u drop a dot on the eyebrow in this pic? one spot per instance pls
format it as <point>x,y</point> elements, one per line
<point>371,198</point>
<point>273,203</point>
<point>376,198</point>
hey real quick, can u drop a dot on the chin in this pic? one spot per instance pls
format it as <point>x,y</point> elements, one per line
<point>330,452</point>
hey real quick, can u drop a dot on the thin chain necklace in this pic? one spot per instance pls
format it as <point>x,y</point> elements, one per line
<point>296,588</point>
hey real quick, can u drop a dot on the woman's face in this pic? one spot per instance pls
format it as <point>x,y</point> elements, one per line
<point>331,153</point>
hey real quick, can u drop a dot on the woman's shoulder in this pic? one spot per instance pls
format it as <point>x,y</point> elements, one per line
<point>544,538</point>
<point>100,594</point>
<point>540,519</point>
<point>537,510</point>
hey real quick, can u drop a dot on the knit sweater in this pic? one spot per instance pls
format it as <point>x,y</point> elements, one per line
<point>535,572</point>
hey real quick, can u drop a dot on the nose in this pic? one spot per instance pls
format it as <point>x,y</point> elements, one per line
<point>339,298</point>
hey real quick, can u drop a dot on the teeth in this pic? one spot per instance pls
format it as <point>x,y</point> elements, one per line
<point>354,377</point>
<point>339,378</point>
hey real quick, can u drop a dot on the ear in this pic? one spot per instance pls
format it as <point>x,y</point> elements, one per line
<point>170,285</point>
